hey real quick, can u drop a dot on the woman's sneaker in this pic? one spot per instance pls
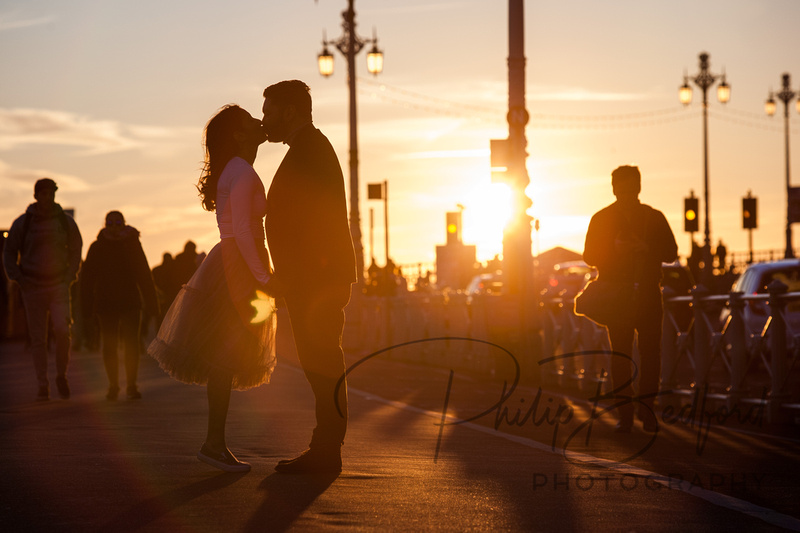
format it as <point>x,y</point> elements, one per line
<point>224,460</point>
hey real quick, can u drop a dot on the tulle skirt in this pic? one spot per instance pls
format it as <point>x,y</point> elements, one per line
<point>219,323</point>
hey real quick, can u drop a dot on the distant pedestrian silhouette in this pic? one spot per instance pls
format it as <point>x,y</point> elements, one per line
<point>722,257</point>
<point>165,278</point>
<point>219,331</point>
<point>42,254</point>
<point>310,242</point>
<point>116,286</point>
<point>627,241</point>
<point>186,263</point>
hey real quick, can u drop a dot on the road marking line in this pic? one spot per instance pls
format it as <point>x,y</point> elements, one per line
<point>721,500</point>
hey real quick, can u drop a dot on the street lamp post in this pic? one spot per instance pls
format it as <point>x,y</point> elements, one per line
<point>704,80</point>
<point>786,95</point>
<point>350,44</point>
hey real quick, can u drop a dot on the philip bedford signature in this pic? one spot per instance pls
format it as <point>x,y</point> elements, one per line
<point>695,416</point>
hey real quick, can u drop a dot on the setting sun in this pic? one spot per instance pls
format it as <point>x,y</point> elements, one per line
<point>486,212</point>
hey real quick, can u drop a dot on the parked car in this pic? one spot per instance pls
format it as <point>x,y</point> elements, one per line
<point>676,280</point>
<point>568,278</point>
<point>487,283</point>
<point>755,279</point>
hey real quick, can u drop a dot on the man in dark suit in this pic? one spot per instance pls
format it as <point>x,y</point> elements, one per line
<point>627,241</point>
<point>312,251</point>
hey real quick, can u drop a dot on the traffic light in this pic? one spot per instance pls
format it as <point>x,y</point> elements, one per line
<point>500,160</point>
<point>454,227</point>
<point>749,213</point>
<point>691,221</point>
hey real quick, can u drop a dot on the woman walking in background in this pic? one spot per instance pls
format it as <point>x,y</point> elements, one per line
<point>212,333</point>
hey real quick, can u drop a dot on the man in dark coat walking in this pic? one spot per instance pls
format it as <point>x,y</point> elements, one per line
<point>115,285</point>
<point>627,242</point>
<point>312,251</point>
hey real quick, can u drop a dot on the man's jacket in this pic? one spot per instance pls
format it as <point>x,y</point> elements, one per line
<point>306,223</point>
<point>43,248</point>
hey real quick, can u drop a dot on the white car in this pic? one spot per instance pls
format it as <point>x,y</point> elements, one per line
<point>755,279</point>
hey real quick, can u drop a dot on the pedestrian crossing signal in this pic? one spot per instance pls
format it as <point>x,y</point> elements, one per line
<point>691,221</point>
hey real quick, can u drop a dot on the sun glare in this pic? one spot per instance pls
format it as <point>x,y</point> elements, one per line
<point>486,212</point>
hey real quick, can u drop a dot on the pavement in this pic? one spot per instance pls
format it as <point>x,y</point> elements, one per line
<point>531,460</point>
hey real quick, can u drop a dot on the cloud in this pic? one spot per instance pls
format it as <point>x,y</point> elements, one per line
<point>14,180</point>
<point>20,127</point>
<point>13,21</point>
<point>38,126</point>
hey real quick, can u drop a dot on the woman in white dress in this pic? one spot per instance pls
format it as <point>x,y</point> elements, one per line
<point>220,329</point>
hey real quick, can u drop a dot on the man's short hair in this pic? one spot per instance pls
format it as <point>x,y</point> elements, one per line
<point>626,179</point>
<point>291,92</point>
<point>44,184</point>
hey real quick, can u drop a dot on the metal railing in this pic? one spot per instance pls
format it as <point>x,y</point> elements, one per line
<point>703,347</point>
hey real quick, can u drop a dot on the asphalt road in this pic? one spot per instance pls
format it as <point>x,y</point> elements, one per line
<point>86,464</point>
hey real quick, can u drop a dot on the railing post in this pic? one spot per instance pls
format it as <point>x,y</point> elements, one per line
<point>669,343</point>
<point>735,337</point>
<point>777,343</point>
<point>553,333</point>
<point>702,355</point>
<point>548,330</point>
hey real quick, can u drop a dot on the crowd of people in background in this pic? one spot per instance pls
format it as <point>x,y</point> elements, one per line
<point>107,299</point>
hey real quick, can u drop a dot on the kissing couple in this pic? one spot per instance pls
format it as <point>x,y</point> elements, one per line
<point>211,335</point>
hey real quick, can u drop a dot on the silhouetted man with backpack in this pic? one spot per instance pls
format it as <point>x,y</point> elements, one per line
<point>628,241</point>
<point>43,254</point>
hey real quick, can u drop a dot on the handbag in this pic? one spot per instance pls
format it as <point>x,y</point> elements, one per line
<point>612,303</point>
<point>609,303</point>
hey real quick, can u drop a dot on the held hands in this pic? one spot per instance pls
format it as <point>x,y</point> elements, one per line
<point>266,301</point>
<point>274,287</point>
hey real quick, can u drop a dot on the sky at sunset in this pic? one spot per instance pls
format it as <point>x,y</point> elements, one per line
<point>109,98</point>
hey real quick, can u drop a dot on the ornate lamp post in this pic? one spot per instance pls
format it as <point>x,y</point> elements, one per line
<point>350,44</point>
<point>704,80</point>
<point>786,95</point>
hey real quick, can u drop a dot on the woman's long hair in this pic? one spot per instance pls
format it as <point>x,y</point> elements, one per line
<point>220,147</point>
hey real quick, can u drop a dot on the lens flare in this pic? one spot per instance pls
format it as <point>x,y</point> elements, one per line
<point>264,306</point>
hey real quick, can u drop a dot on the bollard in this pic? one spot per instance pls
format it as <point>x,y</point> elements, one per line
<point>702,353</point>
<point>778,360</point>
<point>735,337</point>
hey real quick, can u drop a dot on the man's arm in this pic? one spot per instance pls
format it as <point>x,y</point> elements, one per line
<point>594,248</point>
<point>11,250</point>
<point>74,244</point>
<point>666,247</point>
<point>87,283</point>
<point>145,279</point>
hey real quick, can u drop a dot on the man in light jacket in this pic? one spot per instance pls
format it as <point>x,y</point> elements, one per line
<point>42,255</point>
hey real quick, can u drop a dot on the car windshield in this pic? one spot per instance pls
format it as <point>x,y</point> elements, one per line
<point>742,284</point>
<point>789,277</point>
<point>753,281</point>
